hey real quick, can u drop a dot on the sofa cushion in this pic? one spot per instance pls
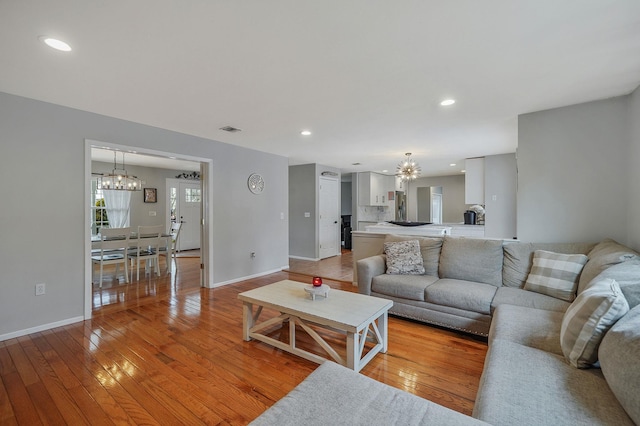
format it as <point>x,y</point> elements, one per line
<point>620,361</point>
<point>627,275</point>
<point>429,247</point>
<point>530,299</point>
<point>605,254</point>
<point>335,395</point>
<point>531,327</point>
<point>403,286</point>
<point>555,274</point>
<point>586,321</point>
<point>518,258</point>
<point>404,257</point>
<point>521,385</point>
<point>472,259</point>
<point>467,295</point>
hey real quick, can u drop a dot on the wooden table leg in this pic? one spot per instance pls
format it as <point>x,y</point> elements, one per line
<point>247,320</point>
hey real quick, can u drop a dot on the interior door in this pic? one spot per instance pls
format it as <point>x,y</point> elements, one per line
<point>436,208</point>
<point>188,213</point>
<point>329,206</point>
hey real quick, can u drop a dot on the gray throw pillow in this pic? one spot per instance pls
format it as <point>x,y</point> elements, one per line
<point>429,247</point>
<point>604,255</point>
<point>555,274</point>
<point>404,258</point>
<point>587,320</point>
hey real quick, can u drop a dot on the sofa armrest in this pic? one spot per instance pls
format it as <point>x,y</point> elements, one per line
<point>367,269</point>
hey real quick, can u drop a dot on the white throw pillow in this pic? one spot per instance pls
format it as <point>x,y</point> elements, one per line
<point>587,320</point>
<point>404,258</point>
<point>555,274</point>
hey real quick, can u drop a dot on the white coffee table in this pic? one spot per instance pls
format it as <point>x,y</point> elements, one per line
<point>361,318</point>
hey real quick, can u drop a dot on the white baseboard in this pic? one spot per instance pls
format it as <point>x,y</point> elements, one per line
<point>39,328</point>
<point>305,258</point>
<point>248,277</point>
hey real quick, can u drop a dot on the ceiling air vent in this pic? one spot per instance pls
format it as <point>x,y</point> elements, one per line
<point>230,129</point>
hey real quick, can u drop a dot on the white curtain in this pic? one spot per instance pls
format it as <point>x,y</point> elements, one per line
<point>117,203</point>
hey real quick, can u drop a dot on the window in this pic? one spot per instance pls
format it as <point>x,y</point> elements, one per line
<point>192,195</point>
<point>99,217</point>
<point>173,203</point>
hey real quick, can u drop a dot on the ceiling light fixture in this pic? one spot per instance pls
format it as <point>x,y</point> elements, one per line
<point>452,164</point>
<point>448,102</point>
<point>408,169</point>
<point>305,133</point>
<point>119,181</point>
<point>55,43</point>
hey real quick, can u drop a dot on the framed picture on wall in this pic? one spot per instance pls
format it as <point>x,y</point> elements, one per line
<point>150,195</point>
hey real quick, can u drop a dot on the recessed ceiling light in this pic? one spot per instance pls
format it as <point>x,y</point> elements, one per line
<point>463,171</point>
<point>385,171</point>
<point>305,133</point>
<point>448,102</point>
<point>452,164</point>
<point>55,43</point>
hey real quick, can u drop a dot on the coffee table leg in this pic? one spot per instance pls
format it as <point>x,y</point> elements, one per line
<point>353,357</point>
<point>247,320</point>
<point>382,328</point>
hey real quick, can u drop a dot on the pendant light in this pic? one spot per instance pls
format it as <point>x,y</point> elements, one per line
<point>118,179</point>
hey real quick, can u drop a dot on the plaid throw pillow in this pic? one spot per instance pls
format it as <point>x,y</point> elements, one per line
<point>555,274</point>
<point>404,258</point>
<point>587,320</point>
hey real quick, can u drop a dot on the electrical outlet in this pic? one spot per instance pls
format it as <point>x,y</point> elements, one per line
<point>40,289</point>
<point>152,213</point>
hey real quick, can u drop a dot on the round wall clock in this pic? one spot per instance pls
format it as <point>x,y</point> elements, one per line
<point>255,183</point>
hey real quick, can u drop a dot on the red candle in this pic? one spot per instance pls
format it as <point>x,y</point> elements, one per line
<point>317,281</point>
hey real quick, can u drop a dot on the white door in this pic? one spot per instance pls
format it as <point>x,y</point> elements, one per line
<point>184,205</point>
<point>329,207</point>
<point>436,208</point>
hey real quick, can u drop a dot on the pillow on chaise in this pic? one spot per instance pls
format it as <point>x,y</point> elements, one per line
<point>587,320</point>
<point>555,274</point>
<point>404,258</point>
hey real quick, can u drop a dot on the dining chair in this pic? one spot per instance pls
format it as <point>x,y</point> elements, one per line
<point>147,247</point>
<point>113,249</point>
<point>170,246</point>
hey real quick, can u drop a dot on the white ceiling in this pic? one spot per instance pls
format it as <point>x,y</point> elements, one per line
<point>366,77</point>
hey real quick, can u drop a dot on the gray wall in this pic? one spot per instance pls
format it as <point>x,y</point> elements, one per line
<point>345,198</point>
<point>500,198</point>
<point>45,216</point>
<point>573,173</point>
<point>453,206</point>
<point>302,198</point>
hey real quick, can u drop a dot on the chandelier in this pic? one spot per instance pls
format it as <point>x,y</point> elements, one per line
<point>119,179</point>
<point>408,169</point>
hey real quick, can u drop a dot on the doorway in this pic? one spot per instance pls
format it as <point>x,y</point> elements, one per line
<point>184,204</point>
<point>204,225</point>
<point>329,207</point>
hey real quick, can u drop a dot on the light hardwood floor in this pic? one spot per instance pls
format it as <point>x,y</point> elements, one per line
<point>164,351</point>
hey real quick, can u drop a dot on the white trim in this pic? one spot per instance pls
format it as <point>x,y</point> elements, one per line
<point>39,328</point>
<point>248,277</point>
<point>88,144</point>
<point>305,258</point>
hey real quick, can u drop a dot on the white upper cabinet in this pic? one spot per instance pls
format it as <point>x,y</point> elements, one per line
<point>474,181</point>
<point>374,188</point>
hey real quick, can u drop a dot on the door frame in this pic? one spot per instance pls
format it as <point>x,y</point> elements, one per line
<point>206,241</point>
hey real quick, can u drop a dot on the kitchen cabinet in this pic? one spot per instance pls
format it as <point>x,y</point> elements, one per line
<point>474,181</point>
<point>374,188</point>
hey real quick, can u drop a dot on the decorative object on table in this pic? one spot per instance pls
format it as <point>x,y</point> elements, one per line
<point>408,170</point>
<point>150,195</point>
<point>190,176</point>
<point>317,281</point>
<point>118,179</point>
<point>255,183</point>
<point>321,290</point>
<point>479,211</point>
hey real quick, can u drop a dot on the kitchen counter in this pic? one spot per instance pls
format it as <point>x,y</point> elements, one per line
<point>422,230</point>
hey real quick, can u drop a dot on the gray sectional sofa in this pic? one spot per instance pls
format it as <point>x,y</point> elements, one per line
<point>530,375</point>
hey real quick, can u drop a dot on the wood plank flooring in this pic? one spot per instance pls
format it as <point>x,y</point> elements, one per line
<point>164,351</point>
